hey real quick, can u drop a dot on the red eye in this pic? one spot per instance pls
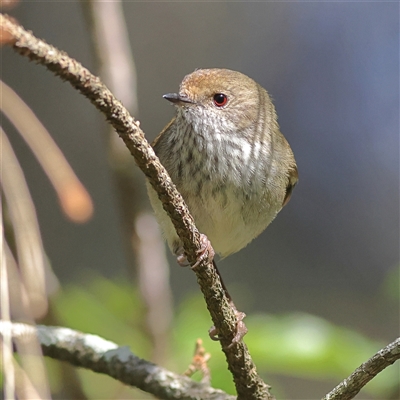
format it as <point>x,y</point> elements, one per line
<point>220,99</point>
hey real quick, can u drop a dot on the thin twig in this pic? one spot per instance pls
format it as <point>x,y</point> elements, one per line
<point>199,363</point>
<point>349,387</point>
<point>100,355</point>
<point>248,383</point>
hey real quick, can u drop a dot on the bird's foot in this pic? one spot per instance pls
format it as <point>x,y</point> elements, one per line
<point>206,251</point>
<point>241,329</point>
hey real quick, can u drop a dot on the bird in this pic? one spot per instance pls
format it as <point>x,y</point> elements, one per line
<point>226,155</point>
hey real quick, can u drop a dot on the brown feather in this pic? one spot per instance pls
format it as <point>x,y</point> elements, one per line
<point>293,178</point>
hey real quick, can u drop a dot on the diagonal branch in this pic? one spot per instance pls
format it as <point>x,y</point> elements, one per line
<point>99,355</point>
<point>349,387</point>
<point>248,383</point>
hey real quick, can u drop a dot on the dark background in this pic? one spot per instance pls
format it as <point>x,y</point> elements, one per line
<point>333,71</point>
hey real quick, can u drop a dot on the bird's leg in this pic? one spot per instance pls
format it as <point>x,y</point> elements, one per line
<point>241,328</point>
<point>207,251</point>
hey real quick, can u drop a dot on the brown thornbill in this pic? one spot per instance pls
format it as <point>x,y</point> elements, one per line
<point>227,157</point>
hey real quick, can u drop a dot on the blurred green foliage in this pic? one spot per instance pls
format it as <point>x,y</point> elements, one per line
<point>298,345</point>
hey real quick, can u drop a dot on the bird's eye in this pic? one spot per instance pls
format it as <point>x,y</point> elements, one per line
<point>220,99</point>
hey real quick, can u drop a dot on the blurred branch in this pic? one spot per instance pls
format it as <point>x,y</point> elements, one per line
<point>24,288</point>
<point>29,247</point>
<point>112,50</point>
<point>74,198</point>
<point>143,242</point>
<point>24,387</point>
<point>76,204</point>
<point>100,355</point>
<point>248,383</point>
<point>349,387</point>
<point>153,277</point>
<point>115,65</point>
<point>6,343</point>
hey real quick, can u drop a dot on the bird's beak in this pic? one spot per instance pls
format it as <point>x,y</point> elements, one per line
<point>177,99</point>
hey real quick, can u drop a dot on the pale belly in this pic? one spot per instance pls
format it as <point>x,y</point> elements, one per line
<point>229,221</point>
<point>233,223</point>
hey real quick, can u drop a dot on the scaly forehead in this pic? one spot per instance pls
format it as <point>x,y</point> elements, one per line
<point>209,81</point>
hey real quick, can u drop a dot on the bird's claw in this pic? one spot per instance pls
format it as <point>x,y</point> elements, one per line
<point>206,251</point>
<point>241,330</point>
